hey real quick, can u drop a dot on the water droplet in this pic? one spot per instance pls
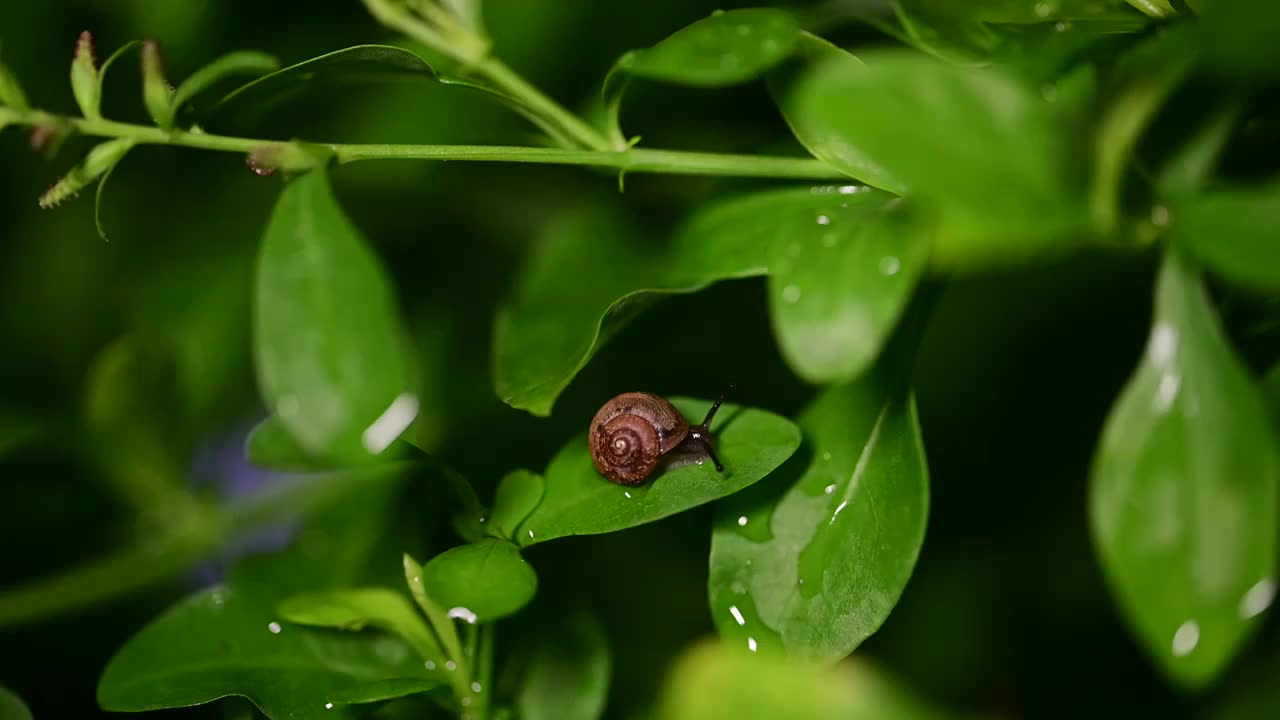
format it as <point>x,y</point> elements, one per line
<point>530,533</point>
<point>328,706</point>
<point>393,421</point>
<point>829,489</point>
<point>1164,343</point>
<point>288,406</point>
<point>850,189</point>
<point>791,293</point>
<point>475,687</point>
<point>1259,598</point>
<point>890,265</point>
<point>769,45</point>
<point>826,456</point>
<point>742,521</point>
<point>217,598</point>
<point>824,220</point>
<point>1062,25</point>
<point>1185,638</point>
<point>738,587</point>
<point>737,615</point>
<point>830,239</point>
<point>463,614</point>
<point>751,644</point>
<point>627,493</point>
<point>274,627</point>
<point>466,701</point>
<point>430,665</point>
<point>1044,9</point>
<point>839,509</point>
<point>1167,391</point>
<point>1160,216</point>
<point>450,665</point>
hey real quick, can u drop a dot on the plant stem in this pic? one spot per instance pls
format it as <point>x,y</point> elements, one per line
<point>519,89</point>
<point>676,162</point>
<point>484,672</point>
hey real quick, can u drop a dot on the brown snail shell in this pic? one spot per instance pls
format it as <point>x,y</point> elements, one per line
<point>631,433</point>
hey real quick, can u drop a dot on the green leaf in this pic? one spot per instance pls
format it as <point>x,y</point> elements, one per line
<point>11,94</point>
<point>590,274</point>
<point>270,446</point>
<point>578,500</point>
<point>817,137</point>
<point>111,59</point>
<point>711,681</point>
<point>11,706</point>
<point>1183,491</point>
<point>240,62</point>
<point>839,285</point>
<point>480,582</point>
<point>382,690</point>
<point>327,333</point>
<point>727,48</point>
<point>1154,8</point>
<point>227,640</point>
<point>569,669</point>
<point>361,62</point>
<point>1233,232</point>
<point>517,495</point>
<point>815,570</point>
<point>97,195</point>
<point>982,148</point>
<point>355,608</point>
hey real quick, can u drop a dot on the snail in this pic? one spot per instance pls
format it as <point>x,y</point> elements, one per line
<point>631,433</point>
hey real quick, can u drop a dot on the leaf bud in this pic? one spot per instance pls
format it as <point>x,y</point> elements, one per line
<point>84,77</point>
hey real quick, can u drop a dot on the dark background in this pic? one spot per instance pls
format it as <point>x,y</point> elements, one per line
<point>1006,614</point>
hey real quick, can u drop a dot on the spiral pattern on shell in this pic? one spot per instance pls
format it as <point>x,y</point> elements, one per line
<point>631,433</point>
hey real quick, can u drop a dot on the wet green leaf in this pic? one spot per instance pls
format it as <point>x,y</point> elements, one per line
<point>727,48</point>
<point>480,582</point>
<point>1233,232</point>
<point>357,608</point>
<point>591,274</point>
<point>983,149</point>
<point>712,681</point>
<point>517,495</point>
<point>578,500</point>
<point>228,640</point>
<point>836,290</point>
<point>1183,492</point>
<point>569,667</point>
<point>327,333</point>
<point>815,569</point>
<point>11,706</point>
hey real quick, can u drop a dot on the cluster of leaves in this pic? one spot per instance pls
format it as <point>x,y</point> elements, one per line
<point>989,135</point>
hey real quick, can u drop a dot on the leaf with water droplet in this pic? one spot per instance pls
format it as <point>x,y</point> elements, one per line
<point>566,669</point>
<point>837,290</point>
<point>357,608</point>
<point>1183,490</point>
<point>480,582</point>
<point>578,500</point>
<point>328,341</point>
<point>518,493</point>
<point>222,641</point>
<point>979,147</point>
<point>1233,232</point>
<point>726,48</point>
<point>844,526</point>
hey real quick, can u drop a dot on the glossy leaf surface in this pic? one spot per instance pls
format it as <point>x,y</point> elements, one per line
<point>480,582</point>
<point>837,290</point>
<point>578,500</point>
<point>517,495</point>
<point>568,674</point>
<point>1234,233</point>
<point>981,147</point>
<point>813,568</point>
<point>726,48</point>
<point>357,608</point>
<point>1183,494</point>
<point>327,332</point>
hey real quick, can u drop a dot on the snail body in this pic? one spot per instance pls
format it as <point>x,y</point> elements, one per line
<point>630,434</point>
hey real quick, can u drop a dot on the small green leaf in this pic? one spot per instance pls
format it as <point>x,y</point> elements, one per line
<point>241,62</point>
<point>356,608</point>
<point>711,681</point>
<point>157,95</point>
<point>228,640</point>
<point>982,148</point>
<point>840,282</point>
<point>11,94</point>
<point>815,570</point>
<point>568,673</point>
<point>85,85</point>
<point>480,582</point>
<point>100,160</point>
<point>1233,232</point>
<point>11,706</point>
<point>327,333</point>
<point>727,48</point>
<point>1183,491</point>
<point>578,500</point>
<point>97,195</point>
<point>1192,165</point>
<point>517,495</point>
<point>590,274</point>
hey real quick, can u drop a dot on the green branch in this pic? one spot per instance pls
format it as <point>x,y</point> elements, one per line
<point>676,162</point>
